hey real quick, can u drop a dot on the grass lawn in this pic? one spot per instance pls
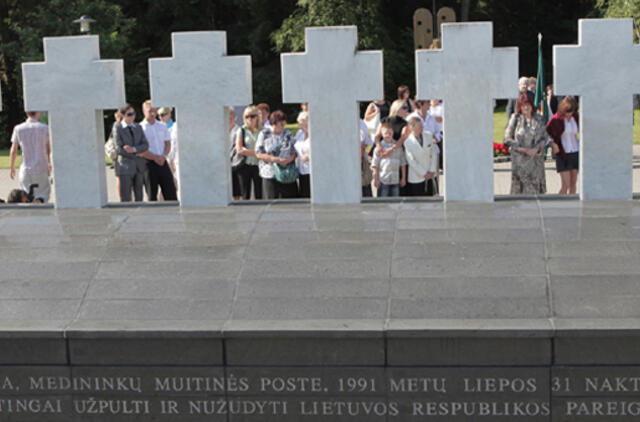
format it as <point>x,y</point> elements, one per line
<point>499,123</point>
<point>4,159</point>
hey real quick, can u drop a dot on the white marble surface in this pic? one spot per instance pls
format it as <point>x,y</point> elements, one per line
<point>74,86</point>
<point>199,81</point>
<point>603,69</point>
<point>467,73</point>
<point>332,76</point>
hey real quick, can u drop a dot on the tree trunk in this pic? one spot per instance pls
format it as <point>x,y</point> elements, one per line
<point>464,10</point>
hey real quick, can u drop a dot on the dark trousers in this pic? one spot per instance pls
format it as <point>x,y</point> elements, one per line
<point>235,182</point>
<point>160,176</point>
<point>416,189</point>
<point>426,188</point>
<point>128,181</point>
<point>304,186</point>
<point>431,187</point>
<point>248,175</point>
<point>288,190</point>
<point>272,189</point>
<point>366,191</point>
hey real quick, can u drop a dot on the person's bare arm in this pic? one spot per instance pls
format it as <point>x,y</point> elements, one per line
<point>371,112</point>
<point>13,154</point>
<point>267,158</point>
<point>242,150</point>
<point>403,137</point>
<point>48,148</point>
<point>167,147</point>
<point>376,177</point>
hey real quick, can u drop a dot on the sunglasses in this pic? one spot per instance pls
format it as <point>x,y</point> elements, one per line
<point>131,113</point>
<point>252,116</point>
<point>163,114</point>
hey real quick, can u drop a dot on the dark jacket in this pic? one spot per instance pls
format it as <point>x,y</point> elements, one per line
<point>555,128</point>
<point>129,163</point>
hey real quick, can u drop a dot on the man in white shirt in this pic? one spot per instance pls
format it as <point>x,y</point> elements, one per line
<point>159,173</point>
<point>35,168</point>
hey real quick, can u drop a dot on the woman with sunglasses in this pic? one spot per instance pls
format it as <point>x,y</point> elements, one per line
<point>248,173</point>
<point>563,129</point>
<point>164,114</point>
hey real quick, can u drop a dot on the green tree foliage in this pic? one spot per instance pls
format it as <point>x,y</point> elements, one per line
<point>622,9</point>
<point>138,30</point>
<point>362,13</point>
<point>26,22</point>
<point>517,23</point>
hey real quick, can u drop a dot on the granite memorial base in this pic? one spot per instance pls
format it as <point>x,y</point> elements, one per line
<point>353,375</point>
<point>511,311</point>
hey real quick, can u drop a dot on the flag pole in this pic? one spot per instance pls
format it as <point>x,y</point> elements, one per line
<point>540,101</point>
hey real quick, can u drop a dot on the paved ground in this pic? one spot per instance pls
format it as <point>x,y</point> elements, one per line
<point>502,179</point>
<point>538,264</point>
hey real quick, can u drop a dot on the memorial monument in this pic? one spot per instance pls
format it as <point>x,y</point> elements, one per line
<point>73,85</point>
<point>332,60</point>
<point>522,310</point>
<point>606,91</point>
<point>214,81</point>
<point>467,73</point>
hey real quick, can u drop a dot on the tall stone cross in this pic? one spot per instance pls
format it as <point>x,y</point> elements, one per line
<point>332,75</point>
<point>200,80</point>
<point>603,69</point>
<point>74,86</point>
<point>467,73</point>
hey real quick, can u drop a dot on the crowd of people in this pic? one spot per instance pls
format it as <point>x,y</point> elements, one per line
<point>401,144</point>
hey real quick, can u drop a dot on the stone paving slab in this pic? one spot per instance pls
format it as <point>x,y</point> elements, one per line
<point>383,264</point>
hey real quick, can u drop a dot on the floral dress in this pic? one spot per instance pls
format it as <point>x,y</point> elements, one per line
<point>527,173</point>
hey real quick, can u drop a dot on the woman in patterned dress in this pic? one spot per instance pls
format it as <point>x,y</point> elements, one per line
<point>526,136</point>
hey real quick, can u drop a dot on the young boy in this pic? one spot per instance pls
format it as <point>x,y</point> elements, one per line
<point>386,169</point>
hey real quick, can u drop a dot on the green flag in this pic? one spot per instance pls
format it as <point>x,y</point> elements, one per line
<point>541,92</point>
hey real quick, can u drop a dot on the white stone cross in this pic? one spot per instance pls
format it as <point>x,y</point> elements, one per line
<point>604,70</point>
<point>467,73</point>
<point>200,80</point>
<point>74,86</point>
<point>332,75</point>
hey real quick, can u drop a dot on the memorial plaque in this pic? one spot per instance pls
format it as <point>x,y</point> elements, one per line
<point>596,393</point>
<point>159,393</point>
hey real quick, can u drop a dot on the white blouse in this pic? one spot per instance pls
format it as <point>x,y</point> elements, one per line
<point>569,136</point>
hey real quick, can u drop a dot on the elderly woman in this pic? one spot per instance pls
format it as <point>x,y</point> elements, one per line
<point>563,129</point>
<point>246,138</point>
<point>275,147</point>
<point>303,149</point>
<point>526,136</point>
